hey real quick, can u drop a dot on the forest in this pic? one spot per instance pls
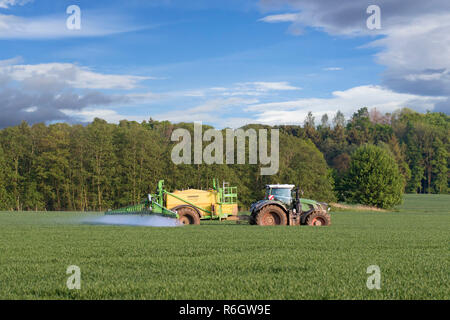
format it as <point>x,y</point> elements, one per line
<point>99,166</point>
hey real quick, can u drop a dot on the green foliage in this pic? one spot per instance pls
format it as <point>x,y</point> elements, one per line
<point>410,136</point>
<point>374,178</point>
<point>101,165</point>
<point>440,167</point>
<point>5,197</point>
<point>303,164</point>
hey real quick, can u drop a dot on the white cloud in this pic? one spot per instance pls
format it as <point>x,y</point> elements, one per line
<point>212,111</point>
<point>5,4</point>
<point>250,89</point>
<point>332,69</point>
<point>421,43</point>
<point>235,111</point>
<point>418,55</point>
<point>285,17</point>
<point>112,116</point>
<point>72,75</point>
<point>242,89</point>
<point>146,96</point>
<point>54,27</point>
<point>12,61</point>
<point>347,101</point>
<point>194,93</point>
<point>31,109</point>
<point>269,86</point>
<point>221,111</point>
<point>235,107</point>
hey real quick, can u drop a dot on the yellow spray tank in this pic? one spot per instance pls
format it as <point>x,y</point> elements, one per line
<point>216,203</point>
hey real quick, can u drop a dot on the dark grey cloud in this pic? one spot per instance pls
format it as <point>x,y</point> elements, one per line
<point>343,15</point>
<point>4,79</point>
<point>426,82</point>
<point>56,92</point>
<point>17,105</point>
<point>41,99</point>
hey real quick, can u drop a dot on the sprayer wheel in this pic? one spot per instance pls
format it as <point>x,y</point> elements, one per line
<point>271,216</point>
<point>188,215</point>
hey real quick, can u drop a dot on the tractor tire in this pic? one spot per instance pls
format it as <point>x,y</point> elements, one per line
<point>271,216</point>
<point>188,215</point>
<point>318,218</point>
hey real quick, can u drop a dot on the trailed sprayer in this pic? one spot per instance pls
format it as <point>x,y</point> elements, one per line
<point>189,206</point>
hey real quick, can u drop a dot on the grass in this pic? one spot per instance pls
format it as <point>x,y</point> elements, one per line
<point>228,261</point>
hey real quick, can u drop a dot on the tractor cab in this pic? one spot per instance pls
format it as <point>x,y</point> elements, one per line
<point>280,192</point>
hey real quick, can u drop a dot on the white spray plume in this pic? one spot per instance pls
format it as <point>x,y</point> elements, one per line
<point>133,220</point>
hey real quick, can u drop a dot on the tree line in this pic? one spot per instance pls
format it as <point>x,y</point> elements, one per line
<point>101,165</point>
<point>418,142</point>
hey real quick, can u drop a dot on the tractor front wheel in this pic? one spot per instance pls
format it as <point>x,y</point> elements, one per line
<point>271,216</point>
<point>318,218</point>
<point>188,215</point>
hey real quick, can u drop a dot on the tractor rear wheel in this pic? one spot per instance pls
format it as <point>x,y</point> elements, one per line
<point>188,215</point>
<point>271,216</point>
<point>318,218</point>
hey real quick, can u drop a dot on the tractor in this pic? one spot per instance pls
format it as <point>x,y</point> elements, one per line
<point>282,205</point>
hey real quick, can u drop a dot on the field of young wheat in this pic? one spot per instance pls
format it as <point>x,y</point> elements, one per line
<point>228,261</point>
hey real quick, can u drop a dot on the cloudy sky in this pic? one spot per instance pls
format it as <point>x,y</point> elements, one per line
<point>223,62</point>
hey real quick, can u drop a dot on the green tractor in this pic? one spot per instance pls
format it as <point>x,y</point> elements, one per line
<point>282,205</point>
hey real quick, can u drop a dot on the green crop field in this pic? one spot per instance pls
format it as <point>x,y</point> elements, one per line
<point>229,261</point>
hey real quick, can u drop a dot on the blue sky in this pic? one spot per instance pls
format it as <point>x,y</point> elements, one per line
<point>226,63</point>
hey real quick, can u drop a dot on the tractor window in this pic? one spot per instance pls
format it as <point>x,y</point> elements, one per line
<point>280,194</point>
